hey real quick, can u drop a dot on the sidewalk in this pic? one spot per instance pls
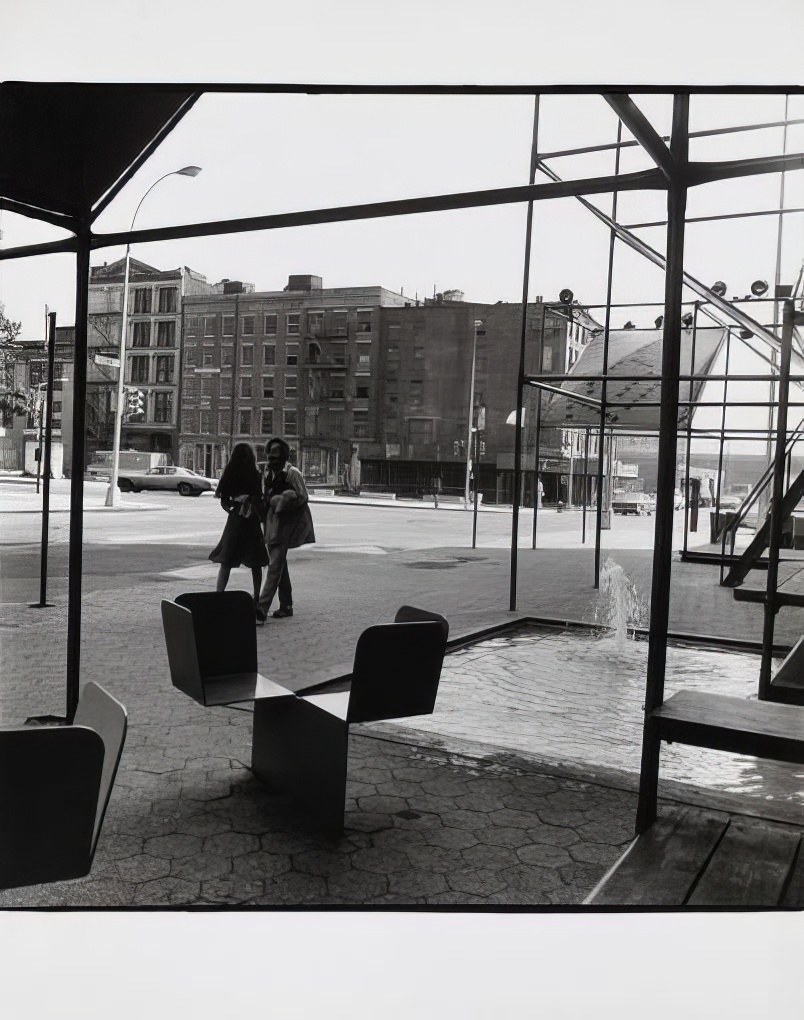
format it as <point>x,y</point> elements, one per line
<point>428,822</point>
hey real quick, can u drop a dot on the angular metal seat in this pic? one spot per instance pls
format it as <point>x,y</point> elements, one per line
<point>300,745</point>
<point>55,784</point>
<point>212,648</point>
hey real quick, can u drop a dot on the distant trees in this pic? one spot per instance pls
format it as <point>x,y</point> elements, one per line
<point>12,401</point>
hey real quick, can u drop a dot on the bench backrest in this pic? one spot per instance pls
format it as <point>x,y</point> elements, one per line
<point>99,711</point>
<point>185,673</point>
<point>396,670</point>
<point>224,629</point>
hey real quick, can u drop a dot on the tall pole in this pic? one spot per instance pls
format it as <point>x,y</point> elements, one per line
<point>520,379</point>
<point>666,474</point>
<point>111,493</point>
<point>471,418</point>
<point>51,364</point>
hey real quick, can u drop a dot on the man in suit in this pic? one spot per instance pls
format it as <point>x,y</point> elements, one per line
<point>288,525</point>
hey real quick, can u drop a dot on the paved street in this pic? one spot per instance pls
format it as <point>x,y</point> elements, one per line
<point>430,819</point>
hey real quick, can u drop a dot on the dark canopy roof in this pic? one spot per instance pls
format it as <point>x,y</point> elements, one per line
<point>62,146</point>
<point>633,353</point>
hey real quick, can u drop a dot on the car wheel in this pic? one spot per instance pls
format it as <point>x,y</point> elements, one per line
<point>185,489</point>
<point>124,485</point>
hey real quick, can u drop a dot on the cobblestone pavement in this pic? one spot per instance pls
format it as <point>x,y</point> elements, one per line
<point>426,824</point>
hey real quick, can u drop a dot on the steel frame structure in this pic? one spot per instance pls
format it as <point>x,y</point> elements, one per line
<point>673,173</point>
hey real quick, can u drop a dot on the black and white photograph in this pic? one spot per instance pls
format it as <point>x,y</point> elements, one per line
<point>401,469</point>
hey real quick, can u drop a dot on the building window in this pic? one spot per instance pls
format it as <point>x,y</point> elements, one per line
<point>142,300</point>
<point>245,386</point>
<point>393,357</point>
<point>363,361</point>
<point>209,325</point>
<point>190,355</point>
<point>291,354</point>
<point>227,357</point>
<point>416,390</point>
<point>139,368</point>
<point>167,299</point>
<point>360,424</point>
<point>420,430</point>
<point>340,324</point>
<point>267,387</point>
<point>248,325</point>
<point>166,333</point>
<point>247,356</point>
<point>244,422</point>
<point>364,323</point>
<point>205,386</point>
<point>336,387</point>
<point>206,423</point>
<point>227,325</point>
<point>315,322</point>
<point>269,324</point>
<point>290,387</point>
<point>293,323</point>
<point>269,354</point>
<point>141,334</point>
<point>164,369</point>
<point>418,352</point>
<point>267,421</point>
<point>191,324</point>
<point>207,358</point>
<point>224,422</point>
<point>291,421</point>
<point>362,392</point>
<point>163,405</point>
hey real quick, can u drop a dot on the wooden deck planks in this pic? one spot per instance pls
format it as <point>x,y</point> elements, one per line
<point>750,866</point>
<point>661,867</point>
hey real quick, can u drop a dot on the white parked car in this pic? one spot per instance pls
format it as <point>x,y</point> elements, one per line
<point>170,478</point>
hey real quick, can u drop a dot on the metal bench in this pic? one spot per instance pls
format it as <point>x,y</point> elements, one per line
<point>300,740</point>
<point>55,784</point>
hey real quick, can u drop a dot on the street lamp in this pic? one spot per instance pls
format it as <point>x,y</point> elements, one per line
<point>477,324</point>
<point>111,495</point>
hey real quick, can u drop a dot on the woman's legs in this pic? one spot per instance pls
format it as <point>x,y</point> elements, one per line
<point>256,581</point>
<point>223,577</point>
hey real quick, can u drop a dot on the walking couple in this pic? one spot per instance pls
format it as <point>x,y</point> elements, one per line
<point>269,514</point>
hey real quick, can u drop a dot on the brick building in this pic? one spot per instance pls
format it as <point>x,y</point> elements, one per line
<point>301,362</point>
<point>152,352</point>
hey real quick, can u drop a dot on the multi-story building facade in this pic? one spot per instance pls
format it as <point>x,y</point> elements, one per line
<point>301,362</point>
<point>153,343</point>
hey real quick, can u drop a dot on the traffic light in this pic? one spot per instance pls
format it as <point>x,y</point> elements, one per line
<point>135,401</point>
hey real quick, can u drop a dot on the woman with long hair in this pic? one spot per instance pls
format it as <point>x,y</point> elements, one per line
<point>242,542</point>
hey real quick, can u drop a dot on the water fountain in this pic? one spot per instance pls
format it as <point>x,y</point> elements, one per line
<point>576,694</point>
<point>620,605</point>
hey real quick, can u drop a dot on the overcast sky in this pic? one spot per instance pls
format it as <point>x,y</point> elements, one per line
<point>265,155</point>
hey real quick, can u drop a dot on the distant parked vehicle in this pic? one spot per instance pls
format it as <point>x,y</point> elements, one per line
<point>639,503</point>
<point>168,478</point>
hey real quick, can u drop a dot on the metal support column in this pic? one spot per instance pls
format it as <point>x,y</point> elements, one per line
<point>521,373</point>
<point>777,496</point>
<point>77,472</point>
<point>668,437</point>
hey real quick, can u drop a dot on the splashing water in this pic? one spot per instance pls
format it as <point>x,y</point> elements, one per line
<point>620,605</point>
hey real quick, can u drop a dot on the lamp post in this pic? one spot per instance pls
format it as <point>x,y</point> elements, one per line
<point>477,324</point>
<point>111,495</point>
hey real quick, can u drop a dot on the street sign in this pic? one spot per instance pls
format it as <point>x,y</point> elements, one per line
<point>101,359</point>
